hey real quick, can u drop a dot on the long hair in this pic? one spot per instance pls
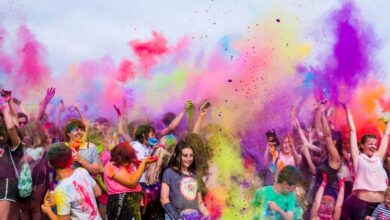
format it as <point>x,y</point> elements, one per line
<point>38,137</point>
<point>153,172</point>
<point>175,162</point>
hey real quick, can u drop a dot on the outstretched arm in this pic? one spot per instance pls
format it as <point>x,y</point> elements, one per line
<point>199,121</point>
<point>352,133</point>
<point>317,121</point>
<point>8,120</point>
<point>42,106</point>
<point>174,123</point>
<point>334,157</point>
<point>384,142</point>
<point>305,141</point>
<point>296,155</point>
<point>121,133</point>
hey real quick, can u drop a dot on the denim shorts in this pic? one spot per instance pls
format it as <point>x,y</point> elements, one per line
<point>8,189</point>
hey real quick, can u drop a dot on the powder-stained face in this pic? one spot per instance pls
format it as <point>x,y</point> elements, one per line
<point>326,207</point>
<point>76,133</point>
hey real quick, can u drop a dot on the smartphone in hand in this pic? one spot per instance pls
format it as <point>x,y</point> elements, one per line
<point>205,106</point>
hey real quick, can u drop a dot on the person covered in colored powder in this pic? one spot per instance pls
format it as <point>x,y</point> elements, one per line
<point>180,196</point>
<point>277,201</point>
<point>371,178</point>
<point>84,153</point>
<point>122,182</point>
<point>75,195</point>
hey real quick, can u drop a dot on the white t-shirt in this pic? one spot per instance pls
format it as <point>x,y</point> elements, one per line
<point>74,196</point>
<point>142,152</point>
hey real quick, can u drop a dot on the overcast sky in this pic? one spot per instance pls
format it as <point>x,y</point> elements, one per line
<point>73,31</point>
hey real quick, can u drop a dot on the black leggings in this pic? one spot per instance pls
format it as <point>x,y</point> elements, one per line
<point>357,209</point>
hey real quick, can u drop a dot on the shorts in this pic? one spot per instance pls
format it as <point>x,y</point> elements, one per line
<point>8,189</point>
<point>355,208</point>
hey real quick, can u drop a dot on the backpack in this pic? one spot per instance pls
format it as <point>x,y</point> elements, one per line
<point>24,178</point>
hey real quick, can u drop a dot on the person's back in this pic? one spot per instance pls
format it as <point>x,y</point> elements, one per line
<point>75,194</point>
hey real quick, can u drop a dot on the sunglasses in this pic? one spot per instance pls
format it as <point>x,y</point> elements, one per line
<point>23,122</point>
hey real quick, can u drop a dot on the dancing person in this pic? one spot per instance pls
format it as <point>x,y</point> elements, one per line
<point>122,182</point>
<point>11,152</point>
<point>371,179</point>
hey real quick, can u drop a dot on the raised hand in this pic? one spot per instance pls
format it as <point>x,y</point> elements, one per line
<point>118,111</point>
<point>6,94</point>
<point>189,106</point>
<point>50,92</point>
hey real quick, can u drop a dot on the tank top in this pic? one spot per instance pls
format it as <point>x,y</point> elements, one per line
<point>332,176</point>
<point>370,174</point>
<point>283,161</point>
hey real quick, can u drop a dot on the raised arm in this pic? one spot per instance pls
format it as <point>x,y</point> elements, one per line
<point>334,157</point>
<point>305,149</point>
<point>174,123</point>
<point>199,121</point>
<point>121,133</point>
<point>318,197</point>
<point>6,95</point>
<point>60,110</point>
<point>296,155</point>
<point>352,133</point>
<point>384,142</point>
<point>42,106</point>
<point>317,121</point>
<point>305,141</point>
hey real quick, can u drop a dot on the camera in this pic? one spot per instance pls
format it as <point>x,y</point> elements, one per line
<point>272,137</point>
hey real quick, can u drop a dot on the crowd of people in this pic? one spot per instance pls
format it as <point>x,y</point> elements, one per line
<point>84,169</point>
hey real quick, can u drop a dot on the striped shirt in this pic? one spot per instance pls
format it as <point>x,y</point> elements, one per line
<point>381,212</point>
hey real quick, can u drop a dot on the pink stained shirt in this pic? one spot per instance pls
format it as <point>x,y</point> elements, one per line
<point>114,187</point>
<point>370,174</point>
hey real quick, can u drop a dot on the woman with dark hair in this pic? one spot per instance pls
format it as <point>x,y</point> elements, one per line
<point>180,196</point>
<point>11,153</point>
<point>122,182</point>
<point>330,162</point>
<point>371,179</point>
